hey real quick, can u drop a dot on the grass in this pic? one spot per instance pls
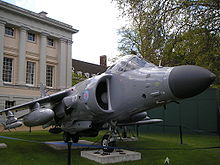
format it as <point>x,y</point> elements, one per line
<point>153,147</point>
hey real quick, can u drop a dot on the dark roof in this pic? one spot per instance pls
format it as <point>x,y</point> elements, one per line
<point>86,67</point>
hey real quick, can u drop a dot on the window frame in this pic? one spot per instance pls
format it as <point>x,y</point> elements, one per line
<point>30,76</point>
<point>6,71</point>
<point>32,38</point>
<point>9,104</point>
<point>50,77</point>
<point>50,42</point>
<point>12,34</point>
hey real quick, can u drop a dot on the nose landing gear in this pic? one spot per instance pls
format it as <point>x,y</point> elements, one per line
<point>108,142</point>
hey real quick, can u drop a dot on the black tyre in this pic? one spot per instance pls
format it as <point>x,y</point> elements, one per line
<point>75,138</point>
<point>66,137</point>
<point>107,143</point>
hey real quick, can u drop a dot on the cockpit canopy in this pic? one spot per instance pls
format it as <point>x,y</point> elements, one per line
<point>127,63</point>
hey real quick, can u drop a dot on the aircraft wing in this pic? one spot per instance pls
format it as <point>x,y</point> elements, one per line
<point>53,98</point>
<point>142,122</point>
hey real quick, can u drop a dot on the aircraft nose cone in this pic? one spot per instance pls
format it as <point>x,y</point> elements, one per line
<point>188,80</point>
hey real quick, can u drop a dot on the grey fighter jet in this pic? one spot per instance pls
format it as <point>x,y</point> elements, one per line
<point>119,97</point>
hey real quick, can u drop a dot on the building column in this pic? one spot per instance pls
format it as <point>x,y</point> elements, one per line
<point>22,56</point>
<point>69,64</point>
<point>43,46</point>
<point>2,32</point>
<point>62,64</point>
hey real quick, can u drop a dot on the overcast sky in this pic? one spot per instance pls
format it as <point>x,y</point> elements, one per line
<point>96,20</point>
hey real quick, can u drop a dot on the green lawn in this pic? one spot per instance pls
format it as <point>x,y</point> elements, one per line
<point>154,148</point>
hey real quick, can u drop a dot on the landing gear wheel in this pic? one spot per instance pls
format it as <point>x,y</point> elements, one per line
<point>66,137</point>
<point>75,138</point>
<point>107,142</point>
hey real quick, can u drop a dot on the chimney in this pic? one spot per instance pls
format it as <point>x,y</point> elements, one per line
<point>43,14</point>
<point>103,60</point>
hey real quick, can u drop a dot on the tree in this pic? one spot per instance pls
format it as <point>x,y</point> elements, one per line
<point>177,31</point>
<point>194,47</point>
<point>152,22</point>
<point>145,33</point>
<point>202,14</point>
<point>77,78</point>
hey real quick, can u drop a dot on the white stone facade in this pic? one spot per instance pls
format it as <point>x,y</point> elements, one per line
<point>44,43</point>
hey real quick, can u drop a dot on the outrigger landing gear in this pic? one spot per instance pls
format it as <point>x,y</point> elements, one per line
<point>75,138</point>
<point>67,137</point>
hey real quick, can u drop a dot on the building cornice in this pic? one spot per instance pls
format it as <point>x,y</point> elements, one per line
<point>36,16</point>
<point>2,22</point>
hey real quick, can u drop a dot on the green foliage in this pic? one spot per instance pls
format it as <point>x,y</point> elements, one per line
<point>201,14</point>
<point>194,47</point>
<point>177,31</point>
<point>77,78</point>
<point>144,34</point>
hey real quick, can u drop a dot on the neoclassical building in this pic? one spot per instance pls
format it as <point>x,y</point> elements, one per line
<point>34,49</point>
